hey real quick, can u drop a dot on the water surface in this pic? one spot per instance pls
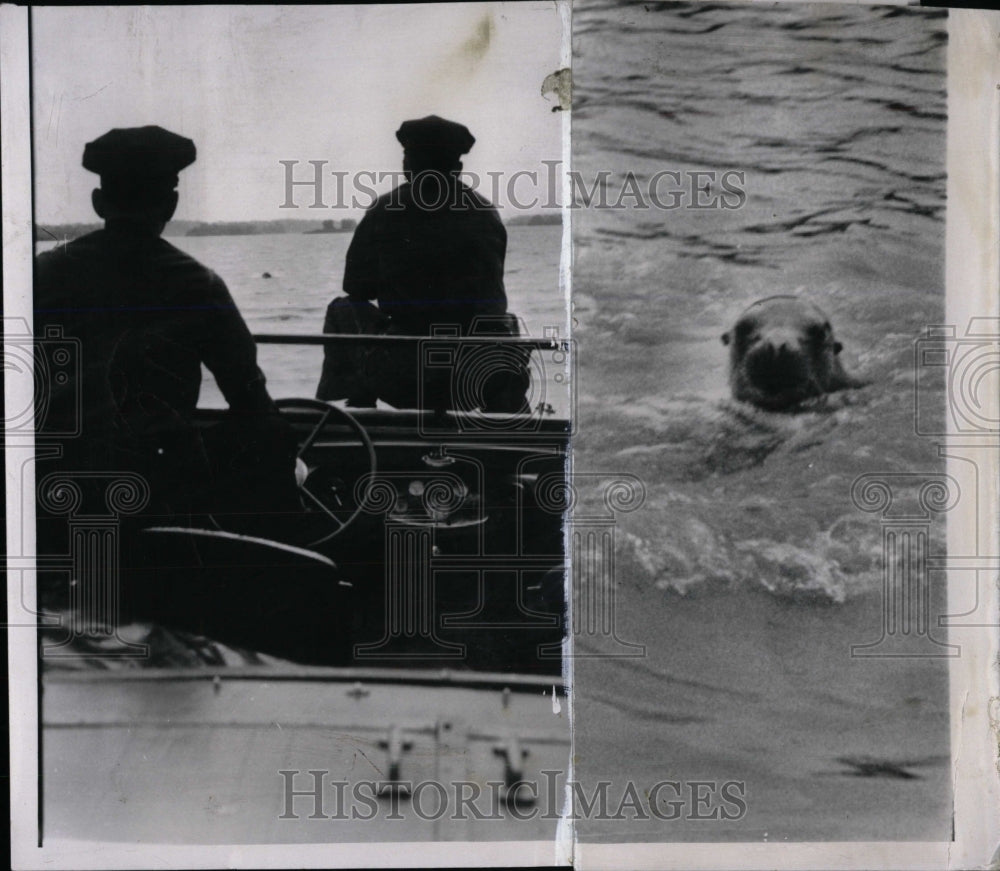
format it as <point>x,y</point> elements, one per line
<point>749,572</point>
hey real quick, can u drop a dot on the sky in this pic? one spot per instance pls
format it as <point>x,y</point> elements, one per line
<point>254,85</point>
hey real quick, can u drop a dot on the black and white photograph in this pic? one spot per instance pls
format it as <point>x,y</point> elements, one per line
<point>759,248</point>
<point>552,434</point>
<point>302,422</point>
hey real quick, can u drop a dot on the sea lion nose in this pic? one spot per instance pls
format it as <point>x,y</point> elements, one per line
<point>777,350</point>
<point>775,364</point>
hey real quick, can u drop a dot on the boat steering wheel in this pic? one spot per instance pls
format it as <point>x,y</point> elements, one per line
<point>328,496</point>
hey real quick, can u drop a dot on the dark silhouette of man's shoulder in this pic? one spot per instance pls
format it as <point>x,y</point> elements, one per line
<point>480,202</point>
<point>91,257</point>
<point>69,255</point>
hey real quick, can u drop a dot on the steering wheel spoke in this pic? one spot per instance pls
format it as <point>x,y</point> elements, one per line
<point>342,514</point>
<point>314,433</point>
<point>321,505</point>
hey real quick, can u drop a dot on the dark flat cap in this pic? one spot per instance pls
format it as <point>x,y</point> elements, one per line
<point>139,152</point>
<point>435,134</point>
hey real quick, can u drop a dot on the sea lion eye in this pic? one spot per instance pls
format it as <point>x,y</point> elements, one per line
<point>744,329</point>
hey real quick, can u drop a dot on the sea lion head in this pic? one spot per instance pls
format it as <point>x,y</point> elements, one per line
<point>782,351</point>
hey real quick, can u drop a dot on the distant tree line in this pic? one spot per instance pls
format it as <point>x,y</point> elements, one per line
<point>345,226</point>
<point>536,220</point>
<point>65,232</point>
<point>253,228</point>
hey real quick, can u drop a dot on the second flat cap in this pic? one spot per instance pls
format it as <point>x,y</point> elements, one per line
<point>435,133</point>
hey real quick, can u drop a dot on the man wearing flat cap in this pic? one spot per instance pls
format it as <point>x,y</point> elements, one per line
<point>431,254</point>
<point>147,316</point>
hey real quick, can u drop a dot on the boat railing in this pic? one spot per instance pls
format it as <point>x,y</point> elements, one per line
<point>536,344</point>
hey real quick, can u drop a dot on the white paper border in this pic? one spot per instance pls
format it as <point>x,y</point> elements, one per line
<point>973,290</point>
<point>15,152</point>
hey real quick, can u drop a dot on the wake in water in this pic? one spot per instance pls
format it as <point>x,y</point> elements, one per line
<point>690,439</point>
<point>706,527</point>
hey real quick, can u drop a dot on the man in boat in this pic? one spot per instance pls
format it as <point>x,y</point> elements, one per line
<point>431,254</point>
<point>147,316</point>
